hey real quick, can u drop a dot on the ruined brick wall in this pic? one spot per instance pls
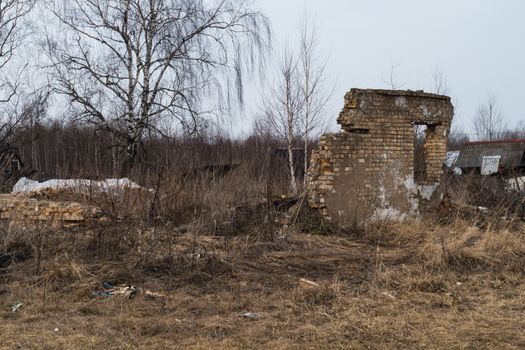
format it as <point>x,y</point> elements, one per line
<point>366,172</point>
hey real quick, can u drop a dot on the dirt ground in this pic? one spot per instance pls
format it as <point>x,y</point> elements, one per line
<point>369,295</point>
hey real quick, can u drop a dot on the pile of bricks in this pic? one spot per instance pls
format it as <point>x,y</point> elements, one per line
<point>21,208</point>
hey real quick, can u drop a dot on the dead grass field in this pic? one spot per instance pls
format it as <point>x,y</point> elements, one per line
<point>406,286</point>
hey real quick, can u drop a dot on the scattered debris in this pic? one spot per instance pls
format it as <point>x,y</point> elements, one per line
<point>196,255</point>
<point>153,295</point>
<point>515,183</point>
<point>450,161</point>
<point>389,296</point>
<point>102,294</point>
<point>109,290</point>
<point>126,290</point>
<point>16,306</point>
<point>483,209</point>
<point>252,315</point>
<point>307,283</point>
<point>450,300</point>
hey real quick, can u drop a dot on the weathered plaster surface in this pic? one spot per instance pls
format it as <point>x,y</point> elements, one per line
<point>366,172</point>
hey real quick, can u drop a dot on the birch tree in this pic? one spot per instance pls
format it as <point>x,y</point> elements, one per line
<point>282,108</point>
<point>126,64</point>
<point>315,92</point>
<point>294,108</point>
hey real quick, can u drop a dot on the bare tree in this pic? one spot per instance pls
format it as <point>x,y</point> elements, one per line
<point>488,122</point>
<point>456,138</point>
<point>23,110</point>
<point>515,133</point>
<point>440,82</point>
<point>519,131</point>
<point>392,80</point>
<point>440,86</point>
<point>314,90</point>
<point>282,108</point>
<point>13,32</point>
<point>126,64</point>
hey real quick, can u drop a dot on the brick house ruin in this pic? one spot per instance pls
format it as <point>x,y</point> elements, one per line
<point>371,170</point>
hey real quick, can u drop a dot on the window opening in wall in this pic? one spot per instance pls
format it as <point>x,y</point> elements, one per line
<point>420,156</point>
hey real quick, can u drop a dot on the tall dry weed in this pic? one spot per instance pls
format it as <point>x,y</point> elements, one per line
<point>459,245</point>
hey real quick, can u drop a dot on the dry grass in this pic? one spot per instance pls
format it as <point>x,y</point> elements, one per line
<point>460,245</point>
<point>416,285</point>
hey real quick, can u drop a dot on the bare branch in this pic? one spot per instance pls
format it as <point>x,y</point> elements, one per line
<point>488,122</point>
<point>135,62</point>
<point>439,80</point>
<point>13,31</point>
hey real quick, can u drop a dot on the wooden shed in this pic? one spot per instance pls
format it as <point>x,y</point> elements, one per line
<point>11,168</point>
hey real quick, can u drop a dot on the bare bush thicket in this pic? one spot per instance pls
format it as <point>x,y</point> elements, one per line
<point>456,138</point>
<point>67,150</point>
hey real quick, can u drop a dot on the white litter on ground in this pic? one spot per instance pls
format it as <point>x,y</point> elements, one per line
<point>450,161</point>
<point>25,185</point>
<point>516,183</point>
<point>451,158</point>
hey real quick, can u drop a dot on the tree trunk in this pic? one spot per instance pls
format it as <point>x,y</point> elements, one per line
<point>131,156</point>
<point>305,159</point>
<point>293,182</point>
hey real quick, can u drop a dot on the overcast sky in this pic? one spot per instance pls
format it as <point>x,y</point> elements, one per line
<point>479,45</point>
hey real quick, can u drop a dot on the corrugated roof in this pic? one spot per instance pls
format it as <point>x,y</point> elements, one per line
<point>494,142</point>
<point>511,152</point>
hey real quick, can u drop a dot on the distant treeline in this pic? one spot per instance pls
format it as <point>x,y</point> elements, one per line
<point>63,150</point>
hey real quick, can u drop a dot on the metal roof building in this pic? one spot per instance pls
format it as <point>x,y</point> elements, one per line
<point>511,154</point>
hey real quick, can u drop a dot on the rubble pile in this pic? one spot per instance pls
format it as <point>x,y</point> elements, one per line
<point>24,209</point>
